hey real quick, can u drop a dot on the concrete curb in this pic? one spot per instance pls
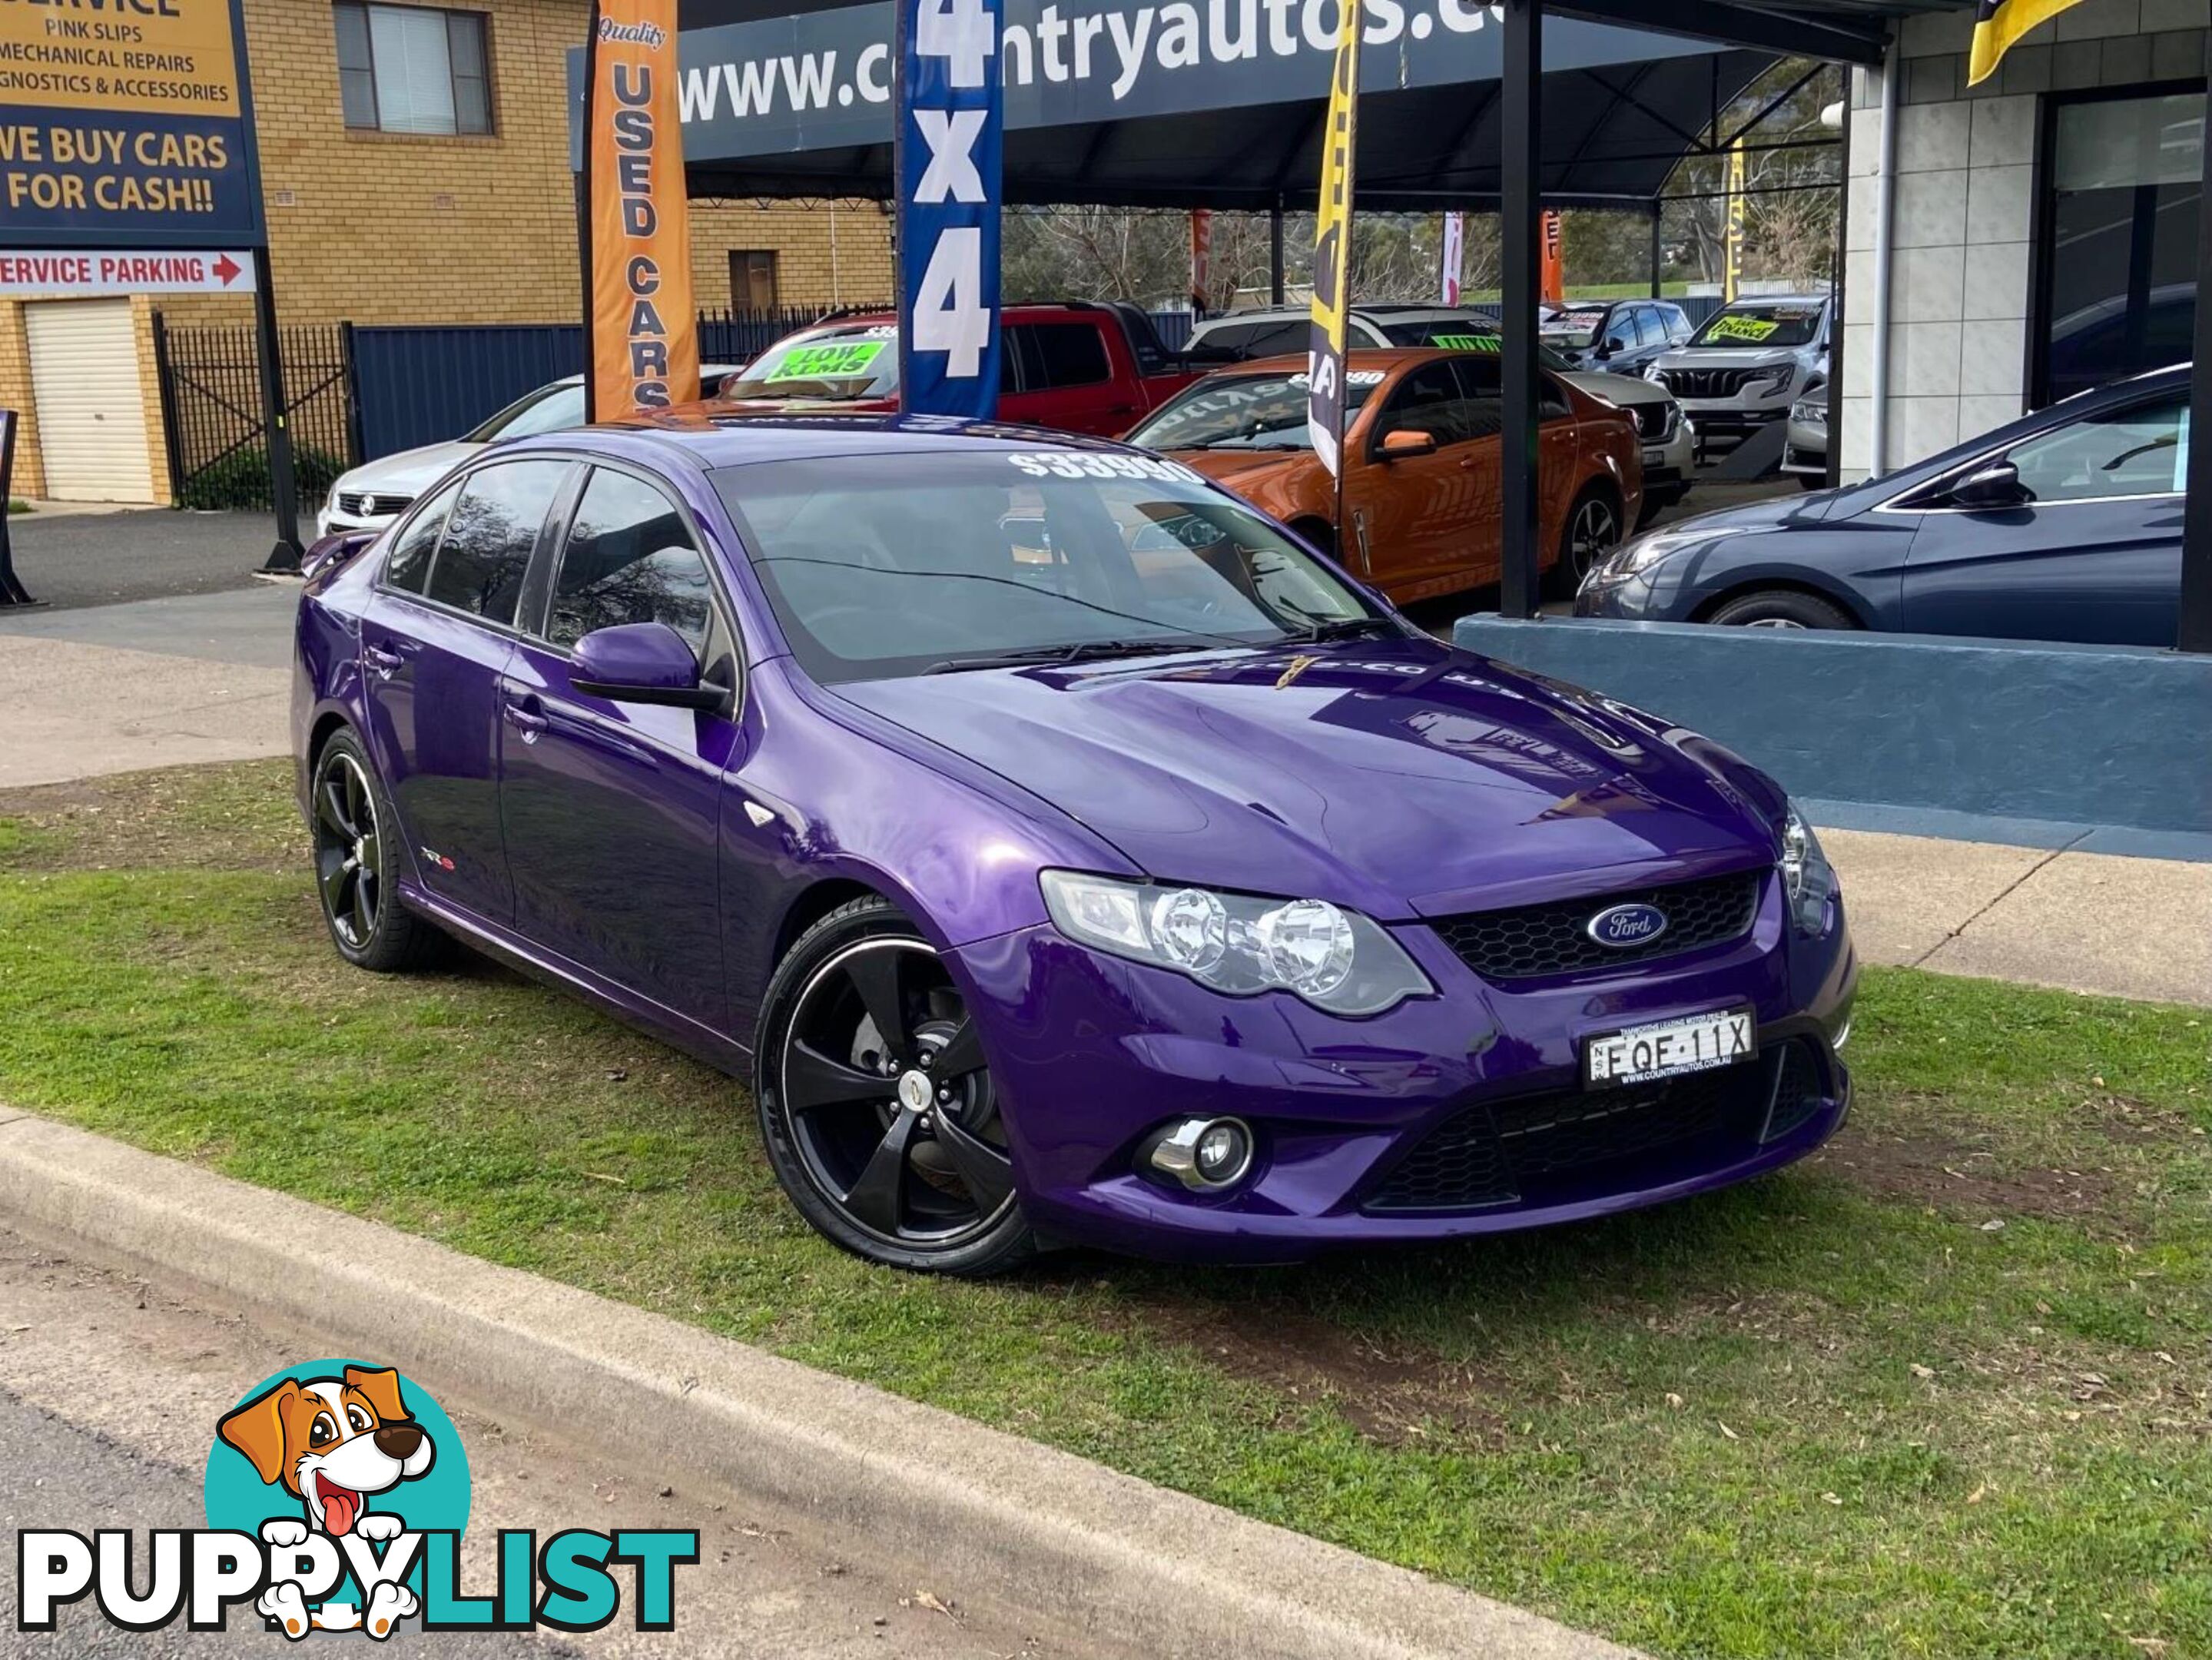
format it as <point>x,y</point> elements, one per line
<point>1099,1555</point>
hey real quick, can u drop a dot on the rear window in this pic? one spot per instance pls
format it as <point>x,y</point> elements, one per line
<point>831,365</point>
<point>1056,355</point>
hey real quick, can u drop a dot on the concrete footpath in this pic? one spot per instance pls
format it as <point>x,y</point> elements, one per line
<point>1039,1542</point>
<point>206,678</point>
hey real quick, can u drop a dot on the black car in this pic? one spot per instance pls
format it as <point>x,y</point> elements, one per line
<point>1619,336</point>
<point>2065,525</point>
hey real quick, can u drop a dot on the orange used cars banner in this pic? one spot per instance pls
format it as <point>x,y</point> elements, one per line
<point>641,330</point>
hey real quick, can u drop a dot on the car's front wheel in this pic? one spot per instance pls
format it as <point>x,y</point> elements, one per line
<point>1782,608</point>
<point>1592,531</point>
<point>877,1105</point>
<point>357,864</point>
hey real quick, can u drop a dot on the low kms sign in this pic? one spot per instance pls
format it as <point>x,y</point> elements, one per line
<point>64,274</point>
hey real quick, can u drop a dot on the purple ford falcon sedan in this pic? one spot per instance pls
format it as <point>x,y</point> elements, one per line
<point>1063,851</point>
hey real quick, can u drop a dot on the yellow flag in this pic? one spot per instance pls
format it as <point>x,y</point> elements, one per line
<point>1997,24</point>
<point>1332,259</point>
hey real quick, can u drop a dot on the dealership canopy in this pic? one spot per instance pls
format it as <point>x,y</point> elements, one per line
<point>1220,103</point>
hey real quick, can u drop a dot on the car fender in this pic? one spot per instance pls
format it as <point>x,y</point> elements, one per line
<point>1872,597</point>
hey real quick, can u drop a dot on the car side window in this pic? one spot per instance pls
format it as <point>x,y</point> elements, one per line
<point>1275,339</point>
<point>1651,327</point>
<point>1429,400</point>
<point>2139,450</point>
<point>407,566</point>
<point>630,558</point>
<point>489,534</point>
<point>1621,332</point>
<point>1068,355</point>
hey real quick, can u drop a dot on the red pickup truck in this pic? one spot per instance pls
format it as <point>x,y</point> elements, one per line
<point>1079,366</point>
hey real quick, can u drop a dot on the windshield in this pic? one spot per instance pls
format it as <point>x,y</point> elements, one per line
<point>1788,324</point>
<point>835,365</point>
<point>1575,329</point>
<point>882,567</point>
<point>1473,336</point>
<point>1244,413</point>
<point>549,409</point>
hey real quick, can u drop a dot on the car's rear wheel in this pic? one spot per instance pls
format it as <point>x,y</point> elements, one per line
<point>357,865</point>
<point>877,1105</point>
<point>1593,529</point>
<point>1782,608</point>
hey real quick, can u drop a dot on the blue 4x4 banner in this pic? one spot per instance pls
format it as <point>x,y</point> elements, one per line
<point>951,148</point>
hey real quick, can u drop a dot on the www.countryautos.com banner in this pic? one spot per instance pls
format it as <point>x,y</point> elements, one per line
<point>126,127</point>
<point>641,330</point>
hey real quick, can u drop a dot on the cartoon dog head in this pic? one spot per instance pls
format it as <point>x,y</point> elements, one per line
<point>331,1441</point>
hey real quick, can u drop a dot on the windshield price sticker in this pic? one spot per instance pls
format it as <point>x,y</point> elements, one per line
<point>1101,464</point>
<point>1352,378</point>
<point>1574,322</point>
<point>1466,343</point>
<point>1743,328</point>
<point>840,361</point>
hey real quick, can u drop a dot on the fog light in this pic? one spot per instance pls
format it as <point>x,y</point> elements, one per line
<point>1204,1154</point>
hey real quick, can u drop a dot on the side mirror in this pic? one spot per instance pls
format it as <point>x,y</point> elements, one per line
<point>643,662</point>
<point>334,550</point>
<point>1607,349</point>
<point>1996,485</point>
<point>1405,443</point>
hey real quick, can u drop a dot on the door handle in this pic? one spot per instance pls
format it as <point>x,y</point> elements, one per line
<point>526,715</point>
<point>386,661</point>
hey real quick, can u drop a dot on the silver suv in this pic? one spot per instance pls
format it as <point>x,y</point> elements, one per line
<point>1748,362</point>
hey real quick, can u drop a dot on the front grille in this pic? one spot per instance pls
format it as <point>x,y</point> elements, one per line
<point>1546,1147</point>
<point>359,504</point>
<point>1655,422</point>
<point>1710,383</point>
<point>1532,940</point>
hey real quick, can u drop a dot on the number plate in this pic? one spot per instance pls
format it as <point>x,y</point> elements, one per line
<point>1666,1049</point>
<point>1653,455</point>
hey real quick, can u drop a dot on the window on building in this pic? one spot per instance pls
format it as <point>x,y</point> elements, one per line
<point>2118,292</point>
<point>752,279</point>
<point>411,69</point>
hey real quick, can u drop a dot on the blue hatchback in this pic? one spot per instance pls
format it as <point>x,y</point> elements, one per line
<point>2064,526</point>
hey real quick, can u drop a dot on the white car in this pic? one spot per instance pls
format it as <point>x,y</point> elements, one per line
<point>376,492</point>
<point>1748,362</point>
<point>1670,441</point>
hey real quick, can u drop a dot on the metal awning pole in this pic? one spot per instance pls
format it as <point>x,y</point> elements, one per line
<point>2196,632</point>
<point>1275,253</point>
<point>1521,203</point>
<point>1658,251</point>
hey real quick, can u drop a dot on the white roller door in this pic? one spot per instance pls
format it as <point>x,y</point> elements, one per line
<point>92,422</point>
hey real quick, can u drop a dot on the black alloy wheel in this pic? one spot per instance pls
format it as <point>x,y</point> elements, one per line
<point>354,864</point>
<point>877,1103</point>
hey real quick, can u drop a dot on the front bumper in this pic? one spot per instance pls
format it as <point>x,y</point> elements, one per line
<point>1805,447</point>
<point>1090,1053</point>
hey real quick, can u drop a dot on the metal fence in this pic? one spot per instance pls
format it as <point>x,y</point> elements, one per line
<point>211,414</point>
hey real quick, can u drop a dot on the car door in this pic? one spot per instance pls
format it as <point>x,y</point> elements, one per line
<point>612,810</point>
<point>1073,376</point>
<point>1619,343</point>
<point>1427,523</point>
<point>435,639</point>
<point>2092,552</point>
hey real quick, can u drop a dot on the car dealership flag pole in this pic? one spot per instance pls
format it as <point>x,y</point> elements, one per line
<point>640,328</point>
<point>950,119</point>
<point>1454,258</point>
<point>1332,263</point>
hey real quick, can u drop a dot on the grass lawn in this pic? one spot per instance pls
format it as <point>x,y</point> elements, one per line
<point>1945,1391</point>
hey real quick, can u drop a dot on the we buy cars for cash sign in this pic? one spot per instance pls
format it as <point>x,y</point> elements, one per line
<point>126,123</point>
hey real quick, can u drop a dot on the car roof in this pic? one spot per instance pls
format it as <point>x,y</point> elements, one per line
<point>711,436</point>
<point>705,369</point>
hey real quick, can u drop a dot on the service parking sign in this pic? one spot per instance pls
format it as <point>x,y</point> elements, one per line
<point>951,120</point>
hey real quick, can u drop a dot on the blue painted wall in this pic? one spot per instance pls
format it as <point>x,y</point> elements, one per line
<point>2089,734</point>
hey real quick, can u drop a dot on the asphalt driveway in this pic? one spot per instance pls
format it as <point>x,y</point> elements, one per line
<point>70,557</point>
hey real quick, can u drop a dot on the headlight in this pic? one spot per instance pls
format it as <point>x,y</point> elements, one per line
<point>1812,411</point>
<point>1653,372</point>
<point>1807,877</point>
<point>1335,959</point>
<point>1632,556</point>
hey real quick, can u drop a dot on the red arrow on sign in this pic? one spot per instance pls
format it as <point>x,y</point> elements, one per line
<point>228,269</point>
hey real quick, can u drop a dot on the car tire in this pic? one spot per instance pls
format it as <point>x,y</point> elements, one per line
<point>357,862</point>
<point>928,1189</point>
<point>1593,529</point>
<point>1782,608</point>
<point>1317,532</point>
